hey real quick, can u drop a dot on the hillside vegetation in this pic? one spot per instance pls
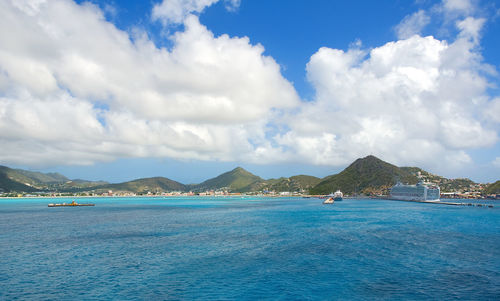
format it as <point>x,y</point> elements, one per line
<point>368,175</point>
<point>20,180</point>
<point>236,180</point>
<point>7,184</point>
<point>293,184</point>
<point>155,184</point>
<point>493,188</point>
<point>446,185</point>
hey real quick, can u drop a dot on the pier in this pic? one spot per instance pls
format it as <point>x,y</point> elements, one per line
<point>447,203</point>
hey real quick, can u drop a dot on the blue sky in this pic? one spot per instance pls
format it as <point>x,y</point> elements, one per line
<point>188,89</point>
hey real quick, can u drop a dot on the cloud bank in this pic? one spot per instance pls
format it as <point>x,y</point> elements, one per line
<point>416,101</point>
<point>411,101</point>
<point>74,89</point>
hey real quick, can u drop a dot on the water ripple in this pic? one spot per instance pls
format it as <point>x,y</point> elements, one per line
<point>231,249</point>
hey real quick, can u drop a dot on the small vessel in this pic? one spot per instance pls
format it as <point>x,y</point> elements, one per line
<point>338,195</point>
<point>328,201</point>
<point>72,204</point>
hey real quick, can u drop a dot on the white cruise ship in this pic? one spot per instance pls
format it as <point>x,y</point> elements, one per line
<point>419,192</point>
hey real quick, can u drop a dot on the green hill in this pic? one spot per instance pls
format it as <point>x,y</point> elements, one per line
<point>446,185</point>
<point>46,178</point>
<point>305,181</point>
<point>27,181</point>
<point>20,180</point>
<point>368,175</point>
<point>236,180</point>
<point>155,184</point>
<point>493,188</point>
<point>9,185</point>
<point>292,184</point>
<point>32,177</point>
<point>79,185</point>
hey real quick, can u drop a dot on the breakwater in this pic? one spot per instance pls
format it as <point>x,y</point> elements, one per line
<point>447,203</point>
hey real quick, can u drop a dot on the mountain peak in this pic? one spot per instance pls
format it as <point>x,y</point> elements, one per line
<point>370,162</point>
<point>240,170</point>
<point>369,158</point>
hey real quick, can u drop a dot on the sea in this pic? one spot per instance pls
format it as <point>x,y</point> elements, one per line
<point>247,248</point>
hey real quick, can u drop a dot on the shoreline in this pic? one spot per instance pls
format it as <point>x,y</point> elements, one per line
<point>441,201</point>
<point>157,196</point>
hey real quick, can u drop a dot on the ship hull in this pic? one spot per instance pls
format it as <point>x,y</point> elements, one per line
<point>419,192</point>
<point>405,198</point>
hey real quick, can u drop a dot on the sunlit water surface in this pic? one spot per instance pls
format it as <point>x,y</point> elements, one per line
<point>247,248</point>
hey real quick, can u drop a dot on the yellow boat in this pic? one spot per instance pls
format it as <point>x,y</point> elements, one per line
<point>72,204</point>
<point>329,201</point>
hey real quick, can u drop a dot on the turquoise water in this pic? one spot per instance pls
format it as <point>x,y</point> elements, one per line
<point>247,248</point>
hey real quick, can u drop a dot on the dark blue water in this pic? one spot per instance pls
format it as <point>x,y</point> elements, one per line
<point>247,248</point>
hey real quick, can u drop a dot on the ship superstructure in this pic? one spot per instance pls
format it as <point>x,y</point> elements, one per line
<point>419,192</point>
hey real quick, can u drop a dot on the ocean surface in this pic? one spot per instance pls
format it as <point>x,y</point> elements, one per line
<point>246,249</point>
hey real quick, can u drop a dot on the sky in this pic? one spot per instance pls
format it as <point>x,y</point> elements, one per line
<point>188,89</point>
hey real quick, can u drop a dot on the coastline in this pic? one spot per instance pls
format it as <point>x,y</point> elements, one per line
<point>441,201</point>
<point>158,196</point>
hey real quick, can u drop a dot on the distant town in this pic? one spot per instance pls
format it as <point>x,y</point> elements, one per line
<point>474,191</point>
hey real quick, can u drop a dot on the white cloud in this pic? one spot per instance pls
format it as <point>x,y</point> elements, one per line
<point>470,28</point>
<point>417,101</point>
<point>176,11</point>
<point>464,7</point>
<point>412,24</point>
<point>232,5</point>
<point>496,162</point>
<point>409,102</point>
<point>492,110</point>
<point>75,90</point>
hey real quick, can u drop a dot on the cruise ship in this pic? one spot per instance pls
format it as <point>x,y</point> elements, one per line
<point>419,192</point>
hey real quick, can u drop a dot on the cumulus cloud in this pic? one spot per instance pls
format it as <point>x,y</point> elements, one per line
<point>453,11</point>
<point>463,7</point>
<point>470,28</point>
<point>412,24</point>
<point>176,11</point>
<point>496,162</point>
<point>75,89</point>
<point>492,110</point>
<point>232,5</point>
<point>414,101</point>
